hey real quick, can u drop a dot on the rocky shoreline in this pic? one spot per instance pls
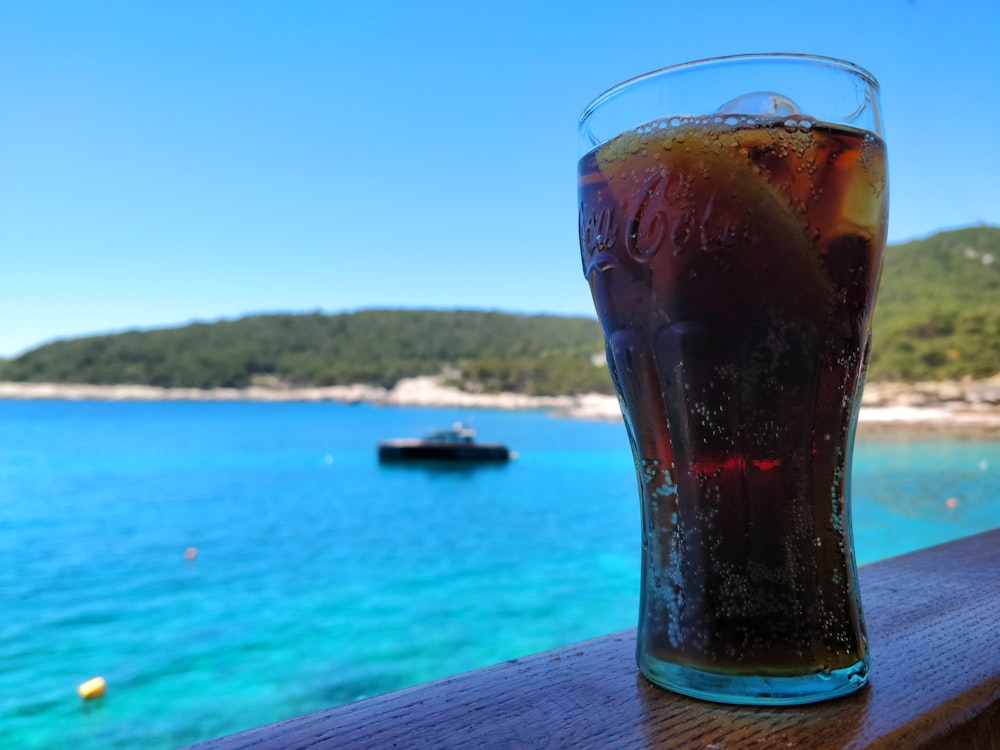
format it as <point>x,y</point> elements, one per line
<point>960,408</point>
<point>964,408</point>
<point>419,391</point>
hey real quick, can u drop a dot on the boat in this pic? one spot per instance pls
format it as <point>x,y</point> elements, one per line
<point>457,443</point>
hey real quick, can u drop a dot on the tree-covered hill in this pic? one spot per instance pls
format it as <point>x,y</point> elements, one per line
<point>938,317</point>
<point>938,311</point>
<point>540,354</point>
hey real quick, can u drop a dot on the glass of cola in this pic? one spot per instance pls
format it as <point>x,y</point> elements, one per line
<point>732,223</point>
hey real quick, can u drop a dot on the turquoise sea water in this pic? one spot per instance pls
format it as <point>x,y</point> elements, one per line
<point>322,577</point>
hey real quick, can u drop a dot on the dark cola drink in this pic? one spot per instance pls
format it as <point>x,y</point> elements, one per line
<point>734,262</point>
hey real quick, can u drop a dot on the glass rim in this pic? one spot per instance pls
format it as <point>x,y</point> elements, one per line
<point>831,62</point>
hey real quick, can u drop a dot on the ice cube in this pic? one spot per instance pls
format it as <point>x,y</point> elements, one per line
<point>760,103</point>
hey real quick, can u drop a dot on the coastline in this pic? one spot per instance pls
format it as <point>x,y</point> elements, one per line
<point>426,391</point>
<point>950,409</point>
<point>964,408</point>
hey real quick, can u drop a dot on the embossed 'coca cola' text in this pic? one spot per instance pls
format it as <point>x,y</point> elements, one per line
<point>648,225</point>
<point>660,217</point>
<point>598,231</point>
<point>598,234</point>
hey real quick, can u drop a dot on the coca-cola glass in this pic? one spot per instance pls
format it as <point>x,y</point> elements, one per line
<point>732,223</point>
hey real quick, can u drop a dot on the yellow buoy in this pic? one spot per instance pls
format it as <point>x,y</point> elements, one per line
<point>95,687</point>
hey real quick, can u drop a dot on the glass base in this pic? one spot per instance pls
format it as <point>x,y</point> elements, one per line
<point>755,690</point>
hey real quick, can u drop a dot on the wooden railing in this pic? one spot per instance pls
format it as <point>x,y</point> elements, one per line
<point>934,627</point>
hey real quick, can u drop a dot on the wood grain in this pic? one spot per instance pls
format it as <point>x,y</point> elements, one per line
<point>933,622</point>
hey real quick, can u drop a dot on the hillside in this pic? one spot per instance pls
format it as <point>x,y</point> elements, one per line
<point>938,311</point>
<point>937,318</point>
<point>535,354</point>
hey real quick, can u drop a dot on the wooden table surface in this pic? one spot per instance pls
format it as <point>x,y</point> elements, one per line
<point>934,627</point>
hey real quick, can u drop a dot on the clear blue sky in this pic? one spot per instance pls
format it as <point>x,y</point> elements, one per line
<point>162,162</point>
